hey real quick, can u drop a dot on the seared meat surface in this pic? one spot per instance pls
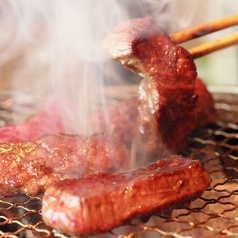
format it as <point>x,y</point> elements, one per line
<point>167,96</point>
<point>31,166</point>
<point>97,203</point>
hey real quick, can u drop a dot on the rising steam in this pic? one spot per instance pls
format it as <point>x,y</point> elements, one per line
<point>52,48</point>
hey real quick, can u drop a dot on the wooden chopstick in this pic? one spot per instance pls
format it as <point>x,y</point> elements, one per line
<point>210,47</point>
<point>204,29</point>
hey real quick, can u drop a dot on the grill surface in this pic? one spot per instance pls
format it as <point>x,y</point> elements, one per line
<point>215,214</point>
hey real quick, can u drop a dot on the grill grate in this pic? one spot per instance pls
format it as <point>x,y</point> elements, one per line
<point>215,214</point>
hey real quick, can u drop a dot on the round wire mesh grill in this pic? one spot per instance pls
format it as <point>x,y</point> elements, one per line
<point>215,214</point>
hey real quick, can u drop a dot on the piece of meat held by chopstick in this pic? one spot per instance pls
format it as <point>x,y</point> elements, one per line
<point>98,203</point>
<point>31,166</point>
<point>167,95</point>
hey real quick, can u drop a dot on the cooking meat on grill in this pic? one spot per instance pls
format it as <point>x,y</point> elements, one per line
<point>167,95</point>
<point>31,166</point>
<point>97,203</point>
<point>121,120</point>
<point>46,121</point>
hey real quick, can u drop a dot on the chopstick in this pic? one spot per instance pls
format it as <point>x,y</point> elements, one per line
<point>205,29</point>
<point>210,47</point>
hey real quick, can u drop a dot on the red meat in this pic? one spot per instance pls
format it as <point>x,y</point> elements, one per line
<point>31,166</point>
<point>97,203</point>
<point>121,120</point>
<point>167,95</point>
<point>46,121</point>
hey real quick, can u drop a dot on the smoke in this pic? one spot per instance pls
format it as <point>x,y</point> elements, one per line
<point>52,49</point>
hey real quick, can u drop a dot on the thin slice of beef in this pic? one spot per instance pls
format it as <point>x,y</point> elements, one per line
<point>167,95</point>
<point>97,203</point>
<point>31,166</point>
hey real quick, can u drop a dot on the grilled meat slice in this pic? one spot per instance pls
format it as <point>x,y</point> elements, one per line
<point>97,203</point>
<point>167,95</point>
<point>31,166</point>
<point>46,121</point>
